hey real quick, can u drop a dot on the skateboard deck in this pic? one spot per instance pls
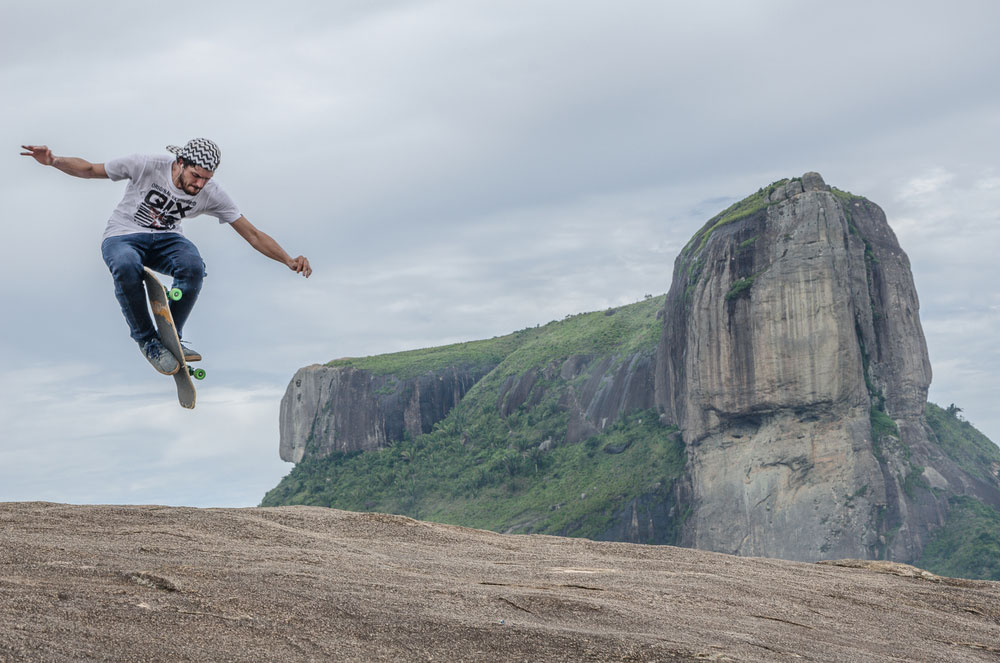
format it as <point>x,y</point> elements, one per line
<point>160,304</point>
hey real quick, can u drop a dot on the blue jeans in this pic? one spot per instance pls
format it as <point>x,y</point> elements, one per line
<point>166,253</point>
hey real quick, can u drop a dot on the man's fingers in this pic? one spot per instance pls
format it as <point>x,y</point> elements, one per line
<point>40,153</point>
<point>302,266</point>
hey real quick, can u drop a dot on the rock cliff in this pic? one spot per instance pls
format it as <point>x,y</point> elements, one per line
<point>352,405</point>
<point>345,409</point>
<point>794,363</point>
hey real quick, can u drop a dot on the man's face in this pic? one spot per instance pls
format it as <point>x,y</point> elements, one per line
<point>192,179</point>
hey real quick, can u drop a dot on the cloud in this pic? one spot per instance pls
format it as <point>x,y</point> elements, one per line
<point>72,437</point>
<point>454,171</point>
<point>926,184</point>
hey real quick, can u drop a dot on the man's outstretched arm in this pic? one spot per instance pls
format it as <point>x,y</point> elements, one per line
<point>70,165</point>
<point>269,247</point>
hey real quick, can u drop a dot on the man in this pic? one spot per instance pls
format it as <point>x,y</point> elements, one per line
<point>145,230</point>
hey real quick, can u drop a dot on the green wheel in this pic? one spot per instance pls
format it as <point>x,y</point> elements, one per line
<point>197,373</point>
<point>175,294</point>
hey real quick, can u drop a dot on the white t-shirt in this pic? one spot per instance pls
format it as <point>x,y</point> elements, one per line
<point>153,204</point>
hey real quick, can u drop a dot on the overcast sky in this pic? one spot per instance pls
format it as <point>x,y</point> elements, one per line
<point>454,170</point>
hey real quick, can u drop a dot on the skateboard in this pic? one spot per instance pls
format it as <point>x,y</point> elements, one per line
<point>159,301</point>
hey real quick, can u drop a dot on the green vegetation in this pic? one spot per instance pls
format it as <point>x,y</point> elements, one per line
<point>968,546</point>
<point>914,480</point>
<point>694,273</point>
<point>415,362</point>
<point>740,288</point>
<point>499,484</point>
<point>619,331</point>
<point>961,442</point>
<point>481,470</point>
<point>735,212</point>
<point>846,196</point>
<point>882,423</point>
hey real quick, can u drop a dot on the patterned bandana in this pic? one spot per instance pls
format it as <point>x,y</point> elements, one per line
<point>199,151</point>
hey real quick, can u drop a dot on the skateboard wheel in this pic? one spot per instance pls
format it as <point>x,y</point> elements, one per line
<point>175,294</point>
<point>197,373</point>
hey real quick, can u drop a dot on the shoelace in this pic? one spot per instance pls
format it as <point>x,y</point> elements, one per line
<point>153,348</point>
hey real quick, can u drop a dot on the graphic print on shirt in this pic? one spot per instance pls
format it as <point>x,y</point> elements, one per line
<point>161,211</point>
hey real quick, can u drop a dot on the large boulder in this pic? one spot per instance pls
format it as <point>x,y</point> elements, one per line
<point>791,327</point>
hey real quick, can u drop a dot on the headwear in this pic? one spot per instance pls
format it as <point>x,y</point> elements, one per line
<point>199,151</point>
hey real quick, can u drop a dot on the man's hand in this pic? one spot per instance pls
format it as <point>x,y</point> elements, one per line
<point>301,266</point>
<point>40,153</point>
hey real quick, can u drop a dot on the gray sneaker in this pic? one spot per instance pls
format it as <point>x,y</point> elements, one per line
<point>189,354</point>
<point>160,357</point>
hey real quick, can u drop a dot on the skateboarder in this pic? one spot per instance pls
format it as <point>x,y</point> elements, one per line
<point>145,230</point>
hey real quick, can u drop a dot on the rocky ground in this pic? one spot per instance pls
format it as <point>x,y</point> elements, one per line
<point>147,583</point>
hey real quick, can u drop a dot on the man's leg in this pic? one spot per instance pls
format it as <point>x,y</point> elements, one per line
<point>124,256</point>
<point>178,257</point>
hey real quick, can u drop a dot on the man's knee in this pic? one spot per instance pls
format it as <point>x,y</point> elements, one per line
<point>190,269</point>
<point>186,263</point>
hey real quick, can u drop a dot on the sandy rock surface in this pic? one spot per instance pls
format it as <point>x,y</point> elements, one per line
<point>147,583</point>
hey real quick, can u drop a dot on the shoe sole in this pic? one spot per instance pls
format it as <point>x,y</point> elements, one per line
<point>162,372</point>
